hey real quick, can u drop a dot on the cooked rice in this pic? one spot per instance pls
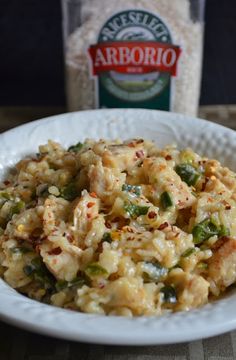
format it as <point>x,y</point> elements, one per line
<point>119,228</point>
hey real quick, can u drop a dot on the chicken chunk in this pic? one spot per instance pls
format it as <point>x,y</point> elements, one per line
<point>105,182</point>
<point>164,178</point>
<point>124,157</point>
<point>64,265</point>
<point>222,265</point>
<point>192,290</point>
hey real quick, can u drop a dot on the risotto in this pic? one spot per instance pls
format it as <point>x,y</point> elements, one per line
<point>118,228</point>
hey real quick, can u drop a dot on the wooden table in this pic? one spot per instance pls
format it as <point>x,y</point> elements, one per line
<point>17,344</point>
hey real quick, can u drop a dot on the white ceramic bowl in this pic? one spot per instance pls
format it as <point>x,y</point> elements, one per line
<point>165,128</point>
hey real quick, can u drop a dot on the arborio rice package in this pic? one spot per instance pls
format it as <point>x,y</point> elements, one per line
<point>133,54</point>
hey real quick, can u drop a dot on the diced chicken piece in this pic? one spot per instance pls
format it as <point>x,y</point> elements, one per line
<point>129,292</point>
<point>192,290</point>
<point>222,265</point>
<point>56,211</point>
<point>214,169</point>
<point>105,182</point>
<point>124,157</point>
<point>164,178</point>
<point>96,231</point>
<point>62,264</point>
<point>85,211</point>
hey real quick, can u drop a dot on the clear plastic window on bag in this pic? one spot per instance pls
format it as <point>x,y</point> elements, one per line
<point>133,54</point>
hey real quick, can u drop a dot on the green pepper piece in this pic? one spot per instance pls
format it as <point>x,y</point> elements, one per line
<point>69,192</point>
<point>107,237</point>
<point>203,231</point>
<point>28,269</point>
<point>188,252</point>
<point>95,270</point>
<point>20,250</point>
<point>135,210</point>
<point>188,174</point>
<point>4,195</point>
<point>135,189</point>
<point>202,266</point>
<point>170,295</point>
<point>16,209</point>
<point>166,200</point>
<point>63,284</point>
<point>223,231</point>
<point>38,272</point>
<point>154,271</point>
<point>76,148</point>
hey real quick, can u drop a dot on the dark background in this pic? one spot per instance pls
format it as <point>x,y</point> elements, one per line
<point>31,60</point>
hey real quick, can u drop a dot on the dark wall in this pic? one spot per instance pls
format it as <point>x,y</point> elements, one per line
<point>31,60</point>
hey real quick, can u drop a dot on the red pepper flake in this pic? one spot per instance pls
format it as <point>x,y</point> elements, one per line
<point>101,285</point>
<point>69,238</point>
<point>89,216</point>
<point>131,145</point>
<point>168,157</point>
<point>205,183</point>
<point>163,226</point>
<point>6,182</point>
<point>228,207</point>
<point>152,215</point>
<point>37,249</point>
<point>139,154</point>
<point>93,194</point>
<point>90,204</point>
<point>108,224</point>
<point>55,251</point>
<point>100,248</point>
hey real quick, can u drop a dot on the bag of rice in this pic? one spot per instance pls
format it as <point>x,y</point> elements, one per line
<point>133,54</point>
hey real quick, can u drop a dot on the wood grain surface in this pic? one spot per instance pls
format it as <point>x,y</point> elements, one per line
<point>17,344</point>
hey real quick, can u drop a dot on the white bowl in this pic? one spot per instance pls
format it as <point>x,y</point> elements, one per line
<point>204,137</point>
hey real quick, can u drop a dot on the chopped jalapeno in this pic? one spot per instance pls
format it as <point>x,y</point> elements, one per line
<point>28,269</point>
<point>166,200</point>
<point>38,271</point>
<point>170,295</point>
<point>16,208</point>
<point>135,189</point>
<point>202,266</point>
<point>76,148</point>
<point>69,192</point>
<point>107,237</point>
<point>20,250</point>
<point>154,271</point>
<point>223,231</point>
<point>188,173</point>
<point>4,195</point>
<point>135,210</point>
<point>42,190</point>
<point>188,252</point>
<point>187,156</point>
<point>63,284</point>
<point>95,270</point>
<point>203,231</point>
